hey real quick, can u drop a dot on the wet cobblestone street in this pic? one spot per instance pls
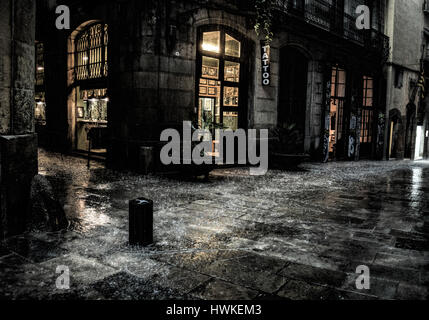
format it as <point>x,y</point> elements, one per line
<point>287,235</point>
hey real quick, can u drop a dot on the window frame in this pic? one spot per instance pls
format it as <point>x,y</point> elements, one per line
<point>242,85</point>
<point>339,100</point>
<point>367,111</point>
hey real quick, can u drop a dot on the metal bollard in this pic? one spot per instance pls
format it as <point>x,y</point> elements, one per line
<point>141,222</point>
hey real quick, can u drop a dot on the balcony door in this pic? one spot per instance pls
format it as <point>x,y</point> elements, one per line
<point>367,118</point>
<point>337,16</point>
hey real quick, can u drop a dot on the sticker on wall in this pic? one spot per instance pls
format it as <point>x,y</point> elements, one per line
<point>351,146</point>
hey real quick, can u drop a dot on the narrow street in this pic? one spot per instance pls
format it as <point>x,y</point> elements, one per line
<point>293,235</point>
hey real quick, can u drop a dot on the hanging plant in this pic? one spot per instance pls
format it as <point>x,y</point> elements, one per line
<point>264,19</point>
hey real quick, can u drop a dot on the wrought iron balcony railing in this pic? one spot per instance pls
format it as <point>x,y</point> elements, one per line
<point>328,17</point>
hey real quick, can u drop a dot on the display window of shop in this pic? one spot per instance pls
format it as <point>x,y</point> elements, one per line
<point>91,114</point>
<point>221,77</point>
<point>40,109</point>
<point>92,105</point>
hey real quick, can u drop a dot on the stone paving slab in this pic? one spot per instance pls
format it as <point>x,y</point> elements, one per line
<point>222,290</point>
<point>286,235</point>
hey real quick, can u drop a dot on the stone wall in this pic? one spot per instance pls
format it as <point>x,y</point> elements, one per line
<point>153,73</point>
<point>152,69</point>
<point>18,143</point>
<point>405,22</point>
<point>17,66</point>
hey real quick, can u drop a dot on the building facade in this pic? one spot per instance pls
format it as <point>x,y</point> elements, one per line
<point>406,117</point>
<point>128,69</point>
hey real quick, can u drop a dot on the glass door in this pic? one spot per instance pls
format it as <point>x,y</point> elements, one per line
<point>220,80</point>
<point>367,117</point>
<point>338,96</point>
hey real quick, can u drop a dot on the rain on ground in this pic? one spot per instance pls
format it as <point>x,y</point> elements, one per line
<point>286,235</point>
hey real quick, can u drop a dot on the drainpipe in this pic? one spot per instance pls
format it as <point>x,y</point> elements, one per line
<point>12,66</point>
<point>390,31</point>
<point>159,49</point>
<point>389,80</point>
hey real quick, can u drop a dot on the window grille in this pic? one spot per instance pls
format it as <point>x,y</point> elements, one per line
<point>91,53</point>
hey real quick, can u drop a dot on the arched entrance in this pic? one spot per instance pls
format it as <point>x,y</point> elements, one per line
<point>88,100</point>
<point>293,94</point>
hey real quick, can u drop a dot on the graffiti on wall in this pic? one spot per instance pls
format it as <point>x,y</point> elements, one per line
<point>326,134</point>
<point>381,127</point>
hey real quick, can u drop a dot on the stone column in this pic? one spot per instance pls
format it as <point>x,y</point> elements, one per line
<point>18,142</point>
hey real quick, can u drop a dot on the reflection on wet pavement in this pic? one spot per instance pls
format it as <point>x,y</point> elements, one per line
<point>291,235</point>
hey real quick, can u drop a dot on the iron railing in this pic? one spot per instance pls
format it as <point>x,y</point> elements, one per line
<point>328,17</point>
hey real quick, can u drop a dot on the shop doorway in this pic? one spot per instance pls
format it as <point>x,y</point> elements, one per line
<point>293,94</point>
<point>338,98</point>
<point>88,102</point>
<point>367,118</point>
<point>222,80</point>
<point>221,75</point>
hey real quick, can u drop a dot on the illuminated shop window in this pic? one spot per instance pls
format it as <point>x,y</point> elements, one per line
<point>92,105</point>
<point>221,59</point>
<point>40,108</point>
<point>211,41</point>
<point>232,46</point>
<point>338,97</point>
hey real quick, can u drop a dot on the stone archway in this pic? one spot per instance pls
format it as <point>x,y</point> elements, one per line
<point>87,83</point>
<point>292,107</point>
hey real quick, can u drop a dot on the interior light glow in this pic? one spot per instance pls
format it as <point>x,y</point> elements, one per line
<point>210,47</point>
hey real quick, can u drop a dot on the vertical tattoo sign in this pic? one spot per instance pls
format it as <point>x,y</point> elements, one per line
<point>265,63</point>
